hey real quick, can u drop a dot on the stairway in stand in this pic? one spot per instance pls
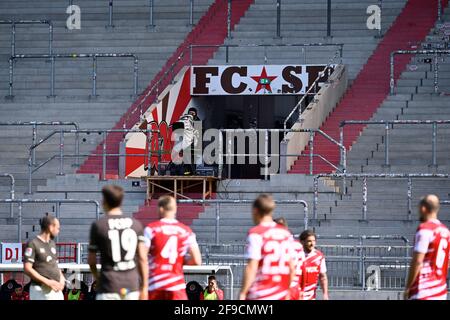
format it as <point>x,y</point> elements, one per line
<point>371,86</point>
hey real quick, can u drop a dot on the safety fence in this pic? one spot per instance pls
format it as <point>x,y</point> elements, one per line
<point>62,133</point>
<point>388,127</point>
<point>356,266</point>
<point>239,48</point>
<point>364,177</point>
<point>53,57</point>
<point>152,8</point>
<point>218,202</point>
<point>265,139</point>
<point>433,53</point>
<point>56,202</point>
<point>14,24</point>
<point>12,183</point>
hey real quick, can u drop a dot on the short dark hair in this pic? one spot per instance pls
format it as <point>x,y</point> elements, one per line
<point>212,278</point>
<point>306,234</point>
<point>164,202</point>
<point>47,221</point>
<point>428,203</point>
<point>281,221</point>
<point>113,195</point>
<point>264,204</point>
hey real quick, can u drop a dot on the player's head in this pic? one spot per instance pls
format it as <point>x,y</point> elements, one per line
<point>192,112</point>
<point>50,225</point>
<point>428,207</point>
<point>167,207</point>
<point>281,221</point>
<point>308,240</point>
<point>212,282</point>
<point>112,197</point>
<point>263,206</point>
<point>19,290</point>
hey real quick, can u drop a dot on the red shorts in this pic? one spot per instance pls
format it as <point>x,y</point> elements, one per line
<point>295,293</point>
<point>167,295</point>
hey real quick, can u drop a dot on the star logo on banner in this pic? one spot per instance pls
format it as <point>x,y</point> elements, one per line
<point>264,81</point>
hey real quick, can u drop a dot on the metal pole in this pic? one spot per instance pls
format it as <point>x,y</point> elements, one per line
<point>227,54</point>
<point>220,155</point>
<point>266,155</point>
<point>52,76</point>
<point>361,261</point>
<point>229,19</point>
<point>392,81</point>
<point>436,73</point>
<point>329,18</point>
<point>380,4</point>
<point>228,157</point>
<point>364,194</point>
<point>190,54</point>
<point>61,152</point>
<point>341,141</point>
<point>77,148</point>
<point>136,75</point>
<point>13,39</point>
<point>217,223</point>
<point>278,18</point>
<point>57,214</point>
<point>409,198</point>
<point>50,38</point>
<point>151,5</point>
<point>11,209</point>
<point>434,144</point>
<point>97,210</point>
<point>191,13</point>
<point>11,76</point>
<point>111,14</point>
<point>30,174</point>
<point>104,157</point>
<point>311,152</point>
<point>439,10</point>
<point>305,217</point>
<point>316,197</point>
<point>19,228</point>
<point>94,76</point>
<point>386,145</point>
<point>34,134</point>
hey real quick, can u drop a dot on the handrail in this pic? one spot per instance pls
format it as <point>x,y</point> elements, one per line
<point>387,123</point>
<point>52,58</point>
<point>328,67</point>
<point>35,124</point>
<point>217,202</point>
<point>154,88</point>
<point>365,176</point>
<point>58,203</point>
<point>13,24</point>
<point>311,154</point>
<point>263,45</point>
<point>436,53</point>
<point>33,167</point>
<point>11,190</point>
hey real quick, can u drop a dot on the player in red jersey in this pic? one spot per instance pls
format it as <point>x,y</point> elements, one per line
<point>169,241</point>
<point>314,267</point>
<point>299,257</point>
<point>429,266</point>
<point>270,268</point>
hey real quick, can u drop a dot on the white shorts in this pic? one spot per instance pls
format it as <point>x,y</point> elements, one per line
<point>115,296</point>
<point>42,292</point>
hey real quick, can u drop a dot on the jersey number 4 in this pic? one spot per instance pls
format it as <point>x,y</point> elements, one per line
<point>170,249</point>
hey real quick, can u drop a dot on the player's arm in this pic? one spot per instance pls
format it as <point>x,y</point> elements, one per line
<point>35,276</point>
<point>249,277</point>
<point>143,269</point>
<point>421,244</point>
<point>253,255</point>
<point>323,279</point>
<point>414,270</point>
<point>92,256</point>
<point>195,256</point>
